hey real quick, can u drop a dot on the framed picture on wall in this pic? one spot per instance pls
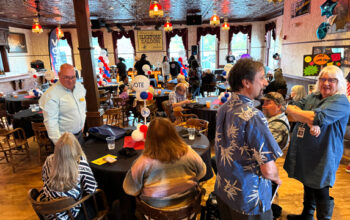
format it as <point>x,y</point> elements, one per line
<point>17,43</point>
<point>343,50</point>
<point>300,7</point>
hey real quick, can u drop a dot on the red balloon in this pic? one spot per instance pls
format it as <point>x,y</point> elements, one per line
<point>143,128</point>
<point>144,135</point>
<point>100,82</point>
<point>104,76</point>
<point>100,70</point>
<point>100,58</point>
<point>150,96</point>
<point>35,76</point>
<point>107,68</point>
<point>109,80</point>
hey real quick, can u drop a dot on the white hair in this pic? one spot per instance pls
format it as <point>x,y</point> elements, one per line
<point>338,74</point>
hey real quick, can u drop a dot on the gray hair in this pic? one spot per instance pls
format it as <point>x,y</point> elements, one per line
<point>65,166</point>
<point>339,75</point>
<point>299,91</point>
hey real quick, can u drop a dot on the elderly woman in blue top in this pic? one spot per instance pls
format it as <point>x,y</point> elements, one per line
<point>317,141</point>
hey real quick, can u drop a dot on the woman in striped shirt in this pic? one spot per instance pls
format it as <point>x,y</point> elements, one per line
<point>66,173</point>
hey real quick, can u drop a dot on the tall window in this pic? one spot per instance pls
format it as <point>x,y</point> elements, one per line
<point>239,44</point>
<point>97,50</point>
<point>176,48</point>
<point>271,49</point>
<point>126,51</point>
<point>65,52</point>
<point>208,51</point>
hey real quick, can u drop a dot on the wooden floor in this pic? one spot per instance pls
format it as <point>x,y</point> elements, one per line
<point>14,188</point>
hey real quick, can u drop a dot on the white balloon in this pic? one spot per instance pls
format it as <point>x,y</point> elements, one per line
<point>100,65</point>
<point>140,83</point>
<point>49,75</point>
<point>138,126</point>
<point>32,71</point>
<point>227,68</point>
<point>222,94</point>
<point>137,135</point>
<point>146,68</point>
<point>106,60</point>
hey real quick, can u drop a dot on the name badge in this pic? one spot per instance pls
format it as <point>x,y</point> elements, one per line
<point>82,99</point>
<point>301,132</point>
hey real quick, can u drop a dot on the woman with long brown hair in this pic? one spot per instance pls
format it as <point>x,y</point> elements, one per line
<point>167,172</point>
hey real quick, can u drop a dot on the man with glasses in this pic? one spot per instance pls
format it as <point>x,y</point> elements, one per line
<point>64,105</point>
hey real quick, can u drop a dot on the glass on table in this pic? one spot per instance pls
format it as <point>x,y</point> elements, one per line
<point>191,133</point>
<point>110,142</point>
<point>207,103</point>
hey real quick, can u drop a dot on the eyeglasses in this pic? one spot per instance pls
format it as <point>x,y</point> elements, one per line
<point>330,80</point>
<point>68,77</point>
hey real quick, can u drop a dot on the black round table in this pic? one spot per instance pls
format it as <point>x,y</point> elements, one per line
<point>205,113</point>
<point>110,177</point>
<point>164,96</point>
<point>14,105</point>
<point>23,119</point>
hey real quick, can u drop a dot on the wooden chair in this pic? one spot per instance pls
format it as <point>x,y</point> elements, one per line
<point>105,96</point>
<point>3,120</point>
<point>166,107</point>
<point>199,124</point>
<point>114,116</point>
<point>120,103</point>
<point>42,138</point>
<point>181,118</point>
<point>45,208</point>
<point>188,212</point>
<point>12,142</point>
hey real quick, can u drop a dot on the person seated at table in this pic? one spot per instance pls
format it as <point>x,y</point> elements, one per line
<point>178,97</point>
<point>123,93</point>
<point>67,173</point>
<point>207,78</point>
<point>166,174</point>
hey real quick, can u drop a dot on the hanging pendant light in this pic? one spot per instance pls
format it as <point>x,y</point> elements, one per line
<point>36,28</point>
<point>214,20</point>
<point>168,26</point>
<point>225,26</point>
<point>155,9</point>
<point>59,32</point>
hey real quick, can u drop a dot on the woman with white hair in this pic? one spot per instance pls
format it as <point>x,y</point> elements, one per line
<point>317,141</point>
<point>297,93</point>
<point>66,173</point>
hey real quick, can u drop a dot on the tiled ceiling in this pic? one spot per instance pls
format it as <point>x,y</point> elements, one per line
<point>53,12</point>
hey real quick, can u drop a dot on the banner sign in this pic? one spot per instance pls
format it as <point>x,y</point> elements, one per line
<point>150,40</point>
<point>314,63</point>
<point>54,51</point>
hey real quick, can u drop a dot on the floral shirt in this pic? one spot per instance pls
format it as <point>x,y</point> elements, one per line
<point>243,142</point>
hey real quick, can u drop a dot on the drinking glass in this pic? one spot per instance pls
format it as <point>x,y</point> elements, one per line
<point>208,104</point>
<point>191,133</point>
<point>111,142</point>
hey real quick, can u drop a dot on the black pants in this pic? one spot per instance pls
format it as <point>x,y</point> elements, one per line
<point>313,195</point>
<point>226,213</point>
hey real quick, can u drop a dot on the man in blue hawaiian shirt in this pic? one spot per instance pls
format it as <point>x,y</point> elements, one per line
<point>245,148</point>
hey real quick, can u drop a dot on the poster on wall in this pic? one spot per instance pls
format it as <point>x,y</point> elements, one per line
<point>343,50</point>
<point>150,40</point>
<point>314,63</point>
<point>54,51</point>
<point>300,7</point>
<point>17,43</point>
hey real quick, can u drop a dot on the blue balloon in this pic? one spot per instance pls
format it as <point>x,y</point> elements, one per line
<point>223,99</point>
<point>327,8</point>
<point>99,61</point>
<point>227,95</point>
<point>223,73</point>
<point>144,95</point>
<point>55,80</point>
<point>322,30</point>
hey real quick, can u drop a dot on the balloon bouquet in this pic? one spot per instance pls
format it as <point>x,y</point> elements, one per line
<point>224,96</point>
<point>141,84</point>
<point>183,68</point>
<point>103,72</point>
<point>36,91</point>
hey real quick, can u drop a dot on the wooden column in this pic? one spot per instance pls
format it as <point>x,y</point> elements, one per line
<point>82,18</point>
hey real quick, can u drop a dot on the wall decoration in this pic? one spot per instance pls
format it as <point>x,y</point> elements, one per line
<point>17,43</point>
<point>342,20</point>
<point>314,63</point>
<point>300,7</point>
<point>150,41</point>
<point>343,50</point>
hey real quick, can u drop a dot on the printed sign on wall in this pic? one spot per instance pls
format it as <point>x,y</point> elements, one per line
<point>314,63</point>
<point>150,40</point>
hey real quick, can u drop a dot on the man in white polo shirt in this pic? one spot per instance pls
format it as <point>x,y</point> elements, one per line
<point>64,105</point>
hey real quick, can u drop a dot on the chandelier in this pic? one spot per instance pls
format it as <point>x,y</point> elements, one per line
<point>155,9</point>
<point>36,28</point>
<point>225,25</point>
<point>214,20</point>
<point>168,26</point>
